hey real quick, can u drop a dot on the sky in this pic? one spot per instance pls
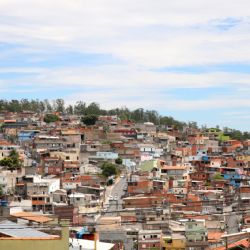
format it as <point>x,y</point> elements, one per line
<point>186,58</point>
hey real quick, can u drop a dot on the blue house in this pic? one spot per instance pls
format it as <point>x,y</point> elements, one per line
<point>234,176</point>
<point>26,135</point>
<point>107,155</point>
<point>205,158</point>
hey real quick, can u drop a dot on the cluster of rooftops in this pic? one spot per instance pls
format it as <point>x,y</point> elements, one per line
<point>181,188</point>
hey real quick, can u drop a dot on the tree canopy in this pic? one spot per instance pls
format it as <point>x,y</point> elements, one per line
<point>89,119</point>
<point>218,176</point>
<point>118,161</point>
<point>82,109</point>
<point>1,190</point>
<point>109,169</point>
<point>12,161</point>
<point>48,118</point>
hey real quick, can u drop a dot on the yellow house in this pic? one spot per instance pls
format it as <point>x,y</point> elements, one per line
<point>173,242</point>
<point>243,158</point>
<point>20,237</point>
<point>67,154</point>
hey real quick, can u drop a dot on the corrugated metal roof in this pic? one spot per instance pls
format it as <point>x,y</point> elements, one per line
<point>21,231</point>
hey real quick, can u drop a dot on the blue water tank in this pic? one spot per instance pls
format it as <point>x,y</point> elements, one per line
<point>4,203</point>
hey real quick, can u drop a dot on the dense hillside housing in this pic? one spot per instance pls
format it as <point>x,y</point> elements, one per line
<point>130,185</point>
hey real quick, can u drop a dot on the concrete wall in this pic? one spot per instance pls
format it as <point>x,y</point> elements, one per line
<point>37,244</point>
<point>117,236</point>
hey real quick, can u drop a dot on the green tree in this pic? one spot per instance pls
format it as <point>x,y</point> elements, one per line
<point>12,161</point>
<point>34,105</point>
<point>12,138</point>
<point>3,104</point>
<point>193,124</point>
<point>218,176</point>
<point>41,106</point>
<point>152,116</point>
<point>48,106</point>
<point>170,121</point>
<point>48,118</point>
<point>89,119</point>
<point>93,109</point>
<point>108,169</point>
<point>80,108</point>
<point>118,160</point>
<point>25,104</point>
<point>1,190</point>
<point>13,154</point>
<point>70,110</point>
<point>14,106</point>
<point>136,115</point>
<point>59,105</point>
<point>246,135</point>
<point>110,182</point>
<point>112,112</point>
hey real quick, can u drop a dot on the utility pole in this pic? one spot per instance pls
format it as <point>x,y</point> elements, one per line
<point>169,215</point>
<point>226,243</point>
<point>239,200</point>
<point>137,240</point>
<point>95,243</point>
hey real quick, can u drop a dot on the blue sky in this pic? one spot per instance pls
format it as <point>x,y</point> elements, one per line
<point>188,59</point>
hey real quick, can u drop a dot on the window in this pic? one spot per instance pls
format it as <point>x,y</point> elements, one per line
<point>168,241</point>
<point>67,158</point>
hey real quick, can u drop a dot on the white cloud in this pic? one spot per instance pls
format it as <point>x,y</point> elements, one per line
<point>123,76</point>
<point>151,100</point>
<point>143,35</point>
<point>113,27</point>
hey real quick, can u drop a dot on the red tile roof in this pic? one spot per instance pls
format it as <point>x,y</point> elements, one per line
<point>32,217</point>
<point>243,243</point>
<point>214,236</point>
